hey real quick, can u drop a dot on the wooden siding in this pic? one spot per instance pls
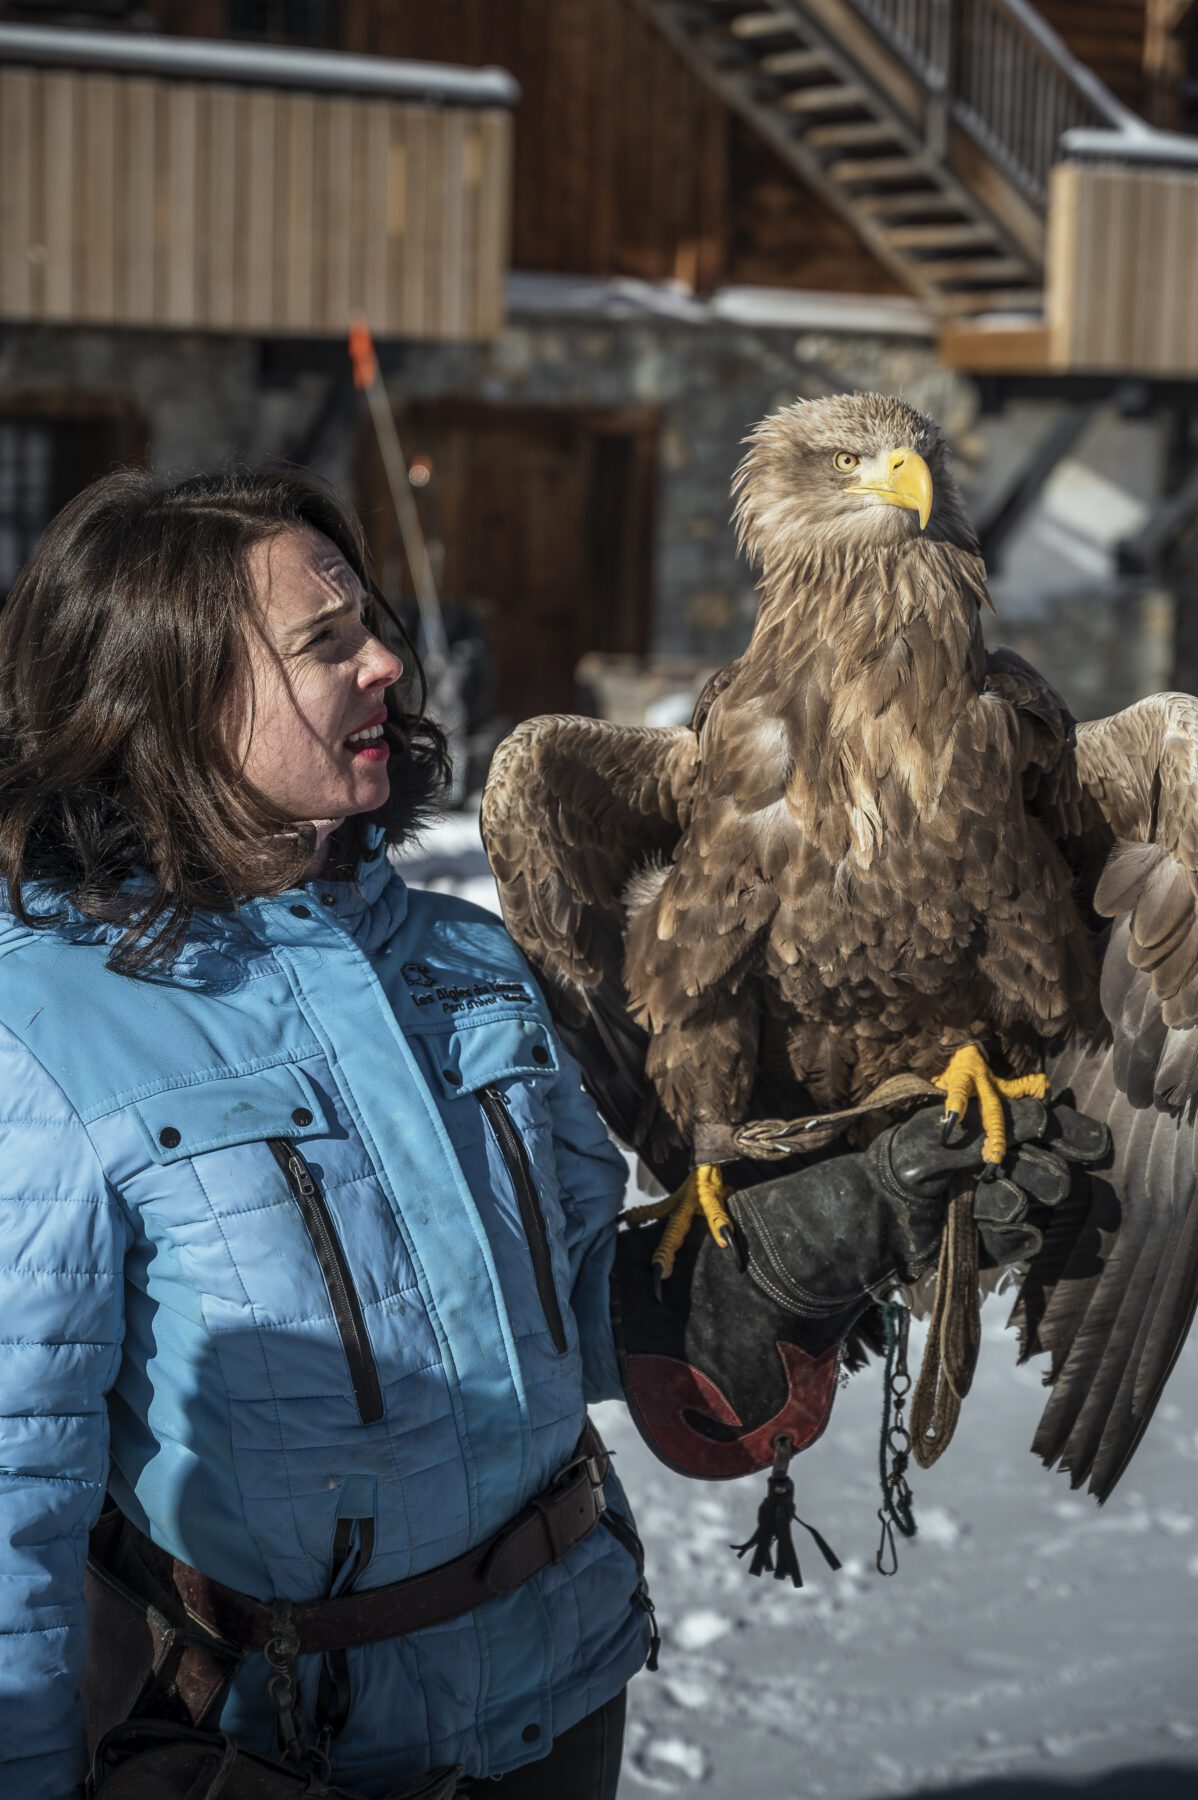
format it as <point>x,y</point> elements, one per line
<point>625,163</point>
<point>1122,269</point>
<point>1109,37</point>
<point>130,201</point>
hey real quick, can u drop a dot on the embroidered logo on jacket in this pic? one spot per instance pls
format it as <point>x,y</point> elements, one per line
<point>451,997</point>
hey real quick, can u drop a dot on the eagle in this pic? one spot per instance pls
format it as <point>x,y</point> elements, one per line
<point>880,853</point>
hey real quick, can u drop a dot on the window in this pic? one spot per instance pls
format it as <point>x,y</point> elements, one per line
<point>51,446</point>
<point>283,21</point>
<point>26,493</point>
<point>77,12</point>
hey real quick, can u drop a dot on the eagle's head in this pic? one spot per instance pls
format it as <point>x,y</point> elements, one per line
<point>854,473</point>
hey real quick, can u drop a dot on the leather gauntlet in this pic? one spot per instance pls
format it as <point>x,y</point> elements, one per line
<point>743,1348</point>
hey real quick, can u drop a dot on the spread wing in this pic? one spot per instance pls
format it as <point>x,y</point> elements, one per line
<point>1111,1296</point>
<point>574,808</point>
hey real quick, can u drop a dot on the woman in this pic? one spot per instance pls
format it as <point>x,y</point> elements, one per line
<point>307,1223</point>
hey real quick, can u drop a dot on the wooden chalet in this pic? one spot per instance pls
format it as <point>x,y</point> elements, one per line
<point>1016,177</point>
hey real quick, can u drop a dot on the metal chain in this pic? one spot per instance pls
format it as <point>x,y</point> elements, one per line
<point>894,1455</point>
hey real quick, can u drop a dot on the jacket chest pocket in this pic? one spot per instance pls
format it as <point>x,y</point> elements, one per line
<point>295,1261</point>
<point>502,1071</point>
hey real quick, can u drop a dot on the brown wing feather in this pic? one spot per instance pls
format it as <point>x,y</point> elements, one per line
<point>573,809</point>
<point>1112,1295</point>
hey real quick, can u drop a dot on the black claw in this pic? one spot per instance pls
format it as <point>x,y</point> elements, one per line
<point>950,1119</point>
<point>990,1171</point>
<point>730,1239</point>
<point>657,1279</point>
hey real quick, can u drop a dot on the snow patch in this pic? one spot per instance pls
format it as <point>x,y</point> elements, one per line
<point>696,1630</point>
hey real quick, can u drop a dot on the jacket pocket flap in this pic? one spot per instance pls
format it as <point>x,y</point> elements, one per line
<point>477,1055</point>
<point>233,1109</point>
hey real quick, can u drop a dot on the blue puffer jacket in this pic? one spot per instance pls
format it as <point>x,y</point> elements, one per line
<point>412,1346</point>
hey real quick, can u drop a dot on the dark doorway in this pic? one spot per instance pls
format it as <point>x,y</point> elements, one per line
<point>540,522</point>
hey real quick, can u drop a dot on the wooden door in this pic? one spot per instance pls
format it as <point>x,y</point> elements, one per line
<point>540,524</point>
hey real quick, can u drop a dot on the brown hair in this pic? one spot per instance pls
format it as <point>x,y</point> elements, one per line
<point>123,659</point>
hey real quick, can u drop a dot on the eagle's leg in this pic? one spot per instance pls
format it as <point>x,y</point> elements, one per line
<point>702,1191</point>
<point>969,1077</point>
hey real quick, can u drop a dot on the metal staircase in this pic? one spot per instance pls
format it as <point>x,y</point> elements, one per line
<point>930,125</point>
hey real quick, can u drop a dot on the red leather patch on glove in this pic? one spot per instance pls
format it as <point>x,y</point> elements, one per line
<point>668,1397</point>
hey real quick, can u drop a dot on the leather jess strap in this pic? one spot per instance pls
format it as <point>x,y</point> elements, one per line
<point>549,1526</point>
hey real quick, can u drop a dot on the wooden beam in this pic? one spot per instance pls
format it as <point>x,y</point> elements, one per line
<point>977,348</point>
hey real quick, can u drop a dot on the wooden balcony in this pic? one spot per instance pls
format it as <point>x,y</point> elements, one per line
<point>164,183</point>
<point>1121,267</point>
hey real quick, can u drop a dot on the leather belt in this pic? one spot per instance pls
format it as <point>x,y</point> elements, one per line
<point>542,1533</point>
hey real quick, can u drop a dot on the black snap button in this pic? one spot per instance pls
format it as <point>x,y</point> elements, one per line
<point>452,1077</point>
<point>328,899</point>
<point>168,1137</point>
<point>301,1116</point>
<point>540,1053</point>
<point>531,1733</point>
<point>302,912</point>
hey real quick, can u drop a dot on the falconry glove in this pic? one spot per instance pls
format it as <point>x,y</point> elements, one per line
<point>737,1353</point>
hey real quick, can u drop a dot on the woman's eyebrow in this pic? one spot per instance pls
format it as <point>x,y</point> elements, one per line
<point>346,595</point>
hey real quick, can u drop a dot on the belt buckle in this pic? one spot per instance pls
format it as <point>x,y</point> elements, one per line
<point>595,1469</point>
<point>595,1473</point>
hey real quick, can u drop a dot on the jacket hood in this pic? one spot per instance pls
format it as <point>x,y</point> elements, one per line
<point>224,949</point>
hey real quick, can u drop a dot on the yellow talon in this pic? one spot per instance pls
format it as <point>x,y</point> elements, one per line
<point>702,1191</point>
<point>969,1076</point>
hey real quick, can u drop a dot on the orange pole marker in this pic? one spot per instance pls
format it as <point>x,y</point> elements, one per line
<point>361,354</point>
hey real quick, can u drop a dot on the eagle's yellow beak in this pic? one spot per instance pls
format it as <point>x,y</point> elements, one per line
<point>908,483</point>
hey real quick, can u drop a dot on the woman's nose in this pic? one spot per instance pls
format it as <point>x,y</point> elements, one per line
<point>381,665</point>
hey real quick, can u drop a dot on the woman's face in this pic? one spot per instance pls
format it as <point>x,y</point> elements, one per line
<point>322,686</point>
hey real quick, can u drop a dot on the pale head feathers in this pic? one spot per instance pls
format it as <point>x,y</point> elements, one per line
<point>791,501</point>
<point>868,641</point>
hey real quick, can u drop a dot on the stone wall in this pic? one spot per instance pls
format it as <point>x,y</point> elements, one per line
<point>709,371</point>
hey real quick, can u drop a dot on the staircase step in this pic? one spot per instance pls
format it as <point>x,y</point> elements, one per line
<point>856,131</point>
<point>901,205</point>
<point>874,168</point>
<point>975,268</point>
<point>822,99</point>
<point>980,300</point>
<point>793,62</point>
<point>937,237</point>
<point>760,24</point>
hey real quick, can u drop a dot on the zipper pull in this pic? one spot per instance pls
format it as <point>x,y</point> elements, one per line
<point>303,1179</point>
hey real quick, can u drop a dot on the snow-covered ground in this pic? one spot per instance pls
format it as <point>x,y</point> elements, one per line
<point>1030,1645</point>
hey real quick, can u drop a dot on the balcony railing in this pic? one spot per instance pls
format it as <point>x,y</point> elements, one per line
<point>997,70</point>
<point>167,183</point>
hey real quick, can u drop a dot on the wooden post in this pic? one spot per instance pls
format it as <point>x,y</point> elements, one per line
<point>1181,572</point>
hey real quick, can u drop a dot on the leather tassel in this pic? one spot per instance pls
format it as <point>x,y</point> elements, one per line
<point>773,1543</point>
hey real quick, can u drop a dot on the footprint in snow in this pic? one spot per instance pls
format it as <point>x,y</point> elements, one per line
<point>670,1764</point>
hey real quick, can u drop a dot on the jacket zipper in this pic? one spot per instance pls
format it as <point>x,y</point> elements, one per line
<point>515,1156</point>
<point>347,1308</point>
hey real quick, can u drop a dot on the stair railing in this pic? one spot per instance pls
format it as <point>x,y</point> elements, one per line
<point>996,69</point>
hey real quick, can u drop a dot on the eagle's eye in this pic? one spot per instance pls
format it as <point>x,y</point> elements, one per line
<point>844,462</point>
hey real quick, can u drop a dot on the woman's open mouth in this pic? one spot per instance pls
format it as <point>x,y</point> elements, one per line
<point>368,744</point>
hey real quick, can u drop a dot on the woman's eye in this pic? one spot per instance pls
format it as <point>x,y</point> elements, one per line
<point>329,632</point>
<point>844,462</point>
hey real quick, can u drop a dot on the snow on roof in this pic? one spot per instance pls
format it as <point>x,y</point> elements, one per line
<point>145,53</point>
<point>784,308</point>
